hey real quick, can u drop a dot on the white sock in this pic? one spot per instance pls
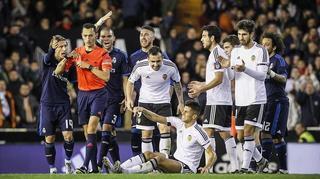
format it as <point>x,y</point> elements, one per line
<point>231,149</point>
<point>133,161</point>
<point>257,156</point>
<point>165,143</point>
<point>146,145</point>
<point>143,168</point>
<point>213,145</point>
<point>248,149</point>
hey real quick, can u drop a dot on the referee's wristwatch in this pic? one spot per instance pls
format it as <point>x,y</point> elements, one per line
<point>90,67</point>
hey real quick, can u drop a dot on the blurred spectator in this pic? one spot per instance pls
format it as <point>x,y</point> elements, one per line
<point>303,134</point>
<point>309,101</point>
<point>26,107</point>
<point>15,81</point>
<point>7,107</point>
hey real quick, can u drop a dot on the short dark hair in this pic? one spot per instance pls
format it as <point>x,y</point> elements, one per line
<point>104,27</point>
<point>213,31</point>
<point>276,41</point>
<point>246,25</point>
<point>148,27</point>
<point>232,39</point>
<point>154,51</point>
<point>195,106</point>
<point>89,26</point>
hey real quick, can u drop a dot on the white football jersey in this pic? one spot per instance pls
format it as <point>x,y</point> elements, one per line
<point>155,85</point>
<point>249,90</point>
<point>221,94</point>
<point>191,143</point>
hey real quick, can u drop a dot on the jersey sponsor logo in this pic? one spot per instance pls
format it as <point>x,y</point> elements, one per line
<point>253,58</point>
<point>189,138</point>
<point>164,76</point>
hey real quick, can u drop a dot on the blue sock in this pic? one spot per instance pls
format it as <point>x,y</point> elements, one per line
<point>114,149</point>
<point>281,152</point>
<point>266,147</point>
<point>135,141</point>
<point>50,152</point>
<point>68,148</point>
<point>90,147</point>
<point>104,147</point>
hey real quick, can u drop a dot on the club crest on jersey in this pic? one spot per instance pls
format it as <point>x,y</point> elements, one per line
<point>189,137</point>
<point>164,76</point>
<point>253,57</point>
<point>217,65</point>
<point>114,60</point>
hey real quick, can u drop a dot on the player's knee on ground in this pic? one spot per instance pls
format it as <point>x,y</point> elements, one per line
<point>50,139</point>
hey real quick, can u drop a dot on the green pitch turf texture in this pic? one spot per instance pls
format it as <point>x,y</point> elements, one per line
<point>157,176</point>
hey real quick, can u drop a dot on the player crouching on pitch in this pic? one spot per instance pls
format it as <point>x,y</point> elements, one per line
<point>192,140</point>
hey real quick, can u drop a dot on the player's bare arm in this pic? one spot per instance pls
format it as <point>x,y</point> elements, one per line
<point>212,157</point>
<point>178,89</point>
<point>60,67</point>
<point>103,19</point>
<point>129,91</point>
<point>150,115</point>
<point>196,87</point>
<point>124,86</point>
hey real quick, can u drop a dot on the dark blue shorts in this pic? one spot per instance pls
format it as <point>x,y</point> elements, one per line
<point>53,116</point>
<point>276,117</point>
<point>91,103</point>
<point>112,111</point>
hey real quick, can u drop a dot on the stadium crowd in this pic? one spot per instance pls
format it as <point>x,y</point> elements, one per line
<point>27,24</point>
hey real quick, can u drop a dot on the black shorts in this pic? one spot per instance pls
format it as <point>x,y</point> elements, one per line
<point>276,117</point>
<point>184,167</point>
<point>217,117</point>
<point>251,115</point>
<point>163,109</point>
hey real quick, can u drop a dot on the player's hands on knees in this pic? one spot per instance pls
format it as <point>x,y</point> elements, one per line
<point>180,108</point>
<point>137,111</point>
<point>123,106</point>
<point>204,170</point>
<point>130,105</point>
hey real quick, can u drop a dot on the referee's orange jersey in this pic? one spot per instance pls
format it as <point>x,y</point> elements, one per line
<point>98,58</point>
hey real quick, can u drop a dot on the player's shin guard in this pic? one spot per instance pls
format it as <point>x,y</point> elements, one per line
<point>165,143</point>
<point>114,149</point>
<point>133,161</point>
<point>266,147</point>
<point>146,145</point>
<point>50,152</point>
<point>104,147</point>
<point>281,152</point>
<point>135,141</point>
<point>90,149</point>
<point>231,149</point>
<point>248,149</point>
<point>143,168</point>
<point>68,148</point>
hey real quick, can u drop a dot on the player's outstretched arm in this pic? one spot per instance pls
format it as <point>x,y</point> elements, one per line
<point>60,67</point>
<point>103,19</point>
<point>150,115</point>
<point>178,89</point>
<point>212,157</point>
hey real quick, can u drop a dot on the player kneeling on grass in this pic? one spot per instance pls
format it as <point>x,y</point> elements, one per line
<point>192,140</point>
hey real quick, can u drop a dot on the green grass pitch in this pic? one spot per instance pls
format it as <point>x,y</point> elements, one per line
<point>157,176</point>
